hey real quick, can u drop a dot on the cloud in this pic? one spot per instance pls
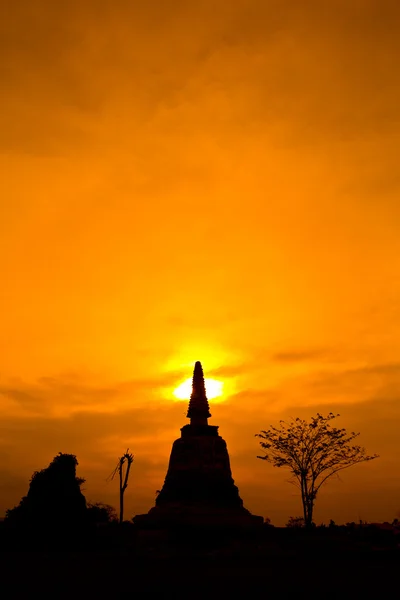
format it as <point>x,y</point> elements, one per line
<point>371,488</point>
<point>99,437</point>
<point>217,180</point>
<point>300,355</point>
<point>66,395</point>
<point>356,384</point>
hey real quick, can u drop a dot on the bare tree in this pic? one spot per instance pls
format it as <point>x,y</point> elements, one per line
<point>123,479</point>
<point>313,451</point>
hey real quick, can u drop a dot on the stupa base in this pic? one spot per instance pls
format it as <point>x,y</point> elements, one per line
<point>198,517</point>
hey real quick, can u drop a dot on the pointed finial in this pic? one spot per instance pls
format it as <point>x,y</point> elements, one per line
<point>199,410</point>
<point>198,385</point>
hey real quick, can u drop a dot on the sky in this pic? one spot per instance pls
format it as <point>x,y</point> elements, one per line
<point>213,181</point>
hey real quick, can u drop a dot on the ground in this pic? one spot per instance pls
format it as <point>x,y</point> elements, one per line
<point>280,563</point>
<point>112,576</point>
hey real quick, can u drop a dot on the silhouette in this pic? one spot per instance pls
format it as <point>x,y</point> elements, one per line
<point>123,480</point>
<point>54,495</point>
<point>198,496</point>
<point>267,522</point>
<point>295,522</point>
<point>54,510</point>
<point>100,513</point>
<point>198,487</point>
<point>313,452</point>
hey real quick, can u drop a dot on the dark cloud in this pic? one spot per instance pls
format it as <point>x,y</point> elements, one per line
<point>97,439</point>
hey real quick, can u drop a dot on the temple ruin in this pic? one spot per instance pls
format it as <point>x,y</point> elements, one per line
<point>199,488</point>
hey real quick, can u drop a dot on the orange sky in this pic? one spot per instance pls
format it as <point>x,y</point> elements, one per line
<point>214,181</point>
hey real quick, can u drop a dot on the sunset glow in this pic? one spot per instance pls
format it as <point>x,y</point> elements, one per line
<point>212,181</point>
<point>214,389</point>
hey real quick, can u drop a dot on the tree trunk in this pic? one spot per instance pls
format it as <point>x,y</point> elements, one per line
<point>121,496</point>
<point>308,504</point>
<point>121,507</point>
<point>305,510</point>
<point>309,512</point>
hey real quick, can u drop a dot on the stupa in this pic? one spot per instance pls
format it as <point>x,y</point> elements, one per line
<point>199,488</point>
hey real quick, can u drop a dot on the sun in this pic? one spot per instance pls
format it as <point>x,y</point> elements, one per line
<point>214,389</point>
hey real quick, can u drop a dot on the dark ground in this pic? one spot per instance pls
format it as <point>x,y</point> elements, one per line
<point>281,563</point>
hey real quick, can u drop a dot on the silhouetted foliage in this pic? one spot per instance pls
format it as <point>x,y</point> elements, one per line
<point>295,522</point>
<point>99,513</point>
<point>332,524</point>
<point>313,451</point>
<point>54,497</point>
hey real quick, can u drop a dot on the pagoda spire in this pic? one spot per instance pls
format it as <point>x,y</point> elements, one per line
<point>198,410</point>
